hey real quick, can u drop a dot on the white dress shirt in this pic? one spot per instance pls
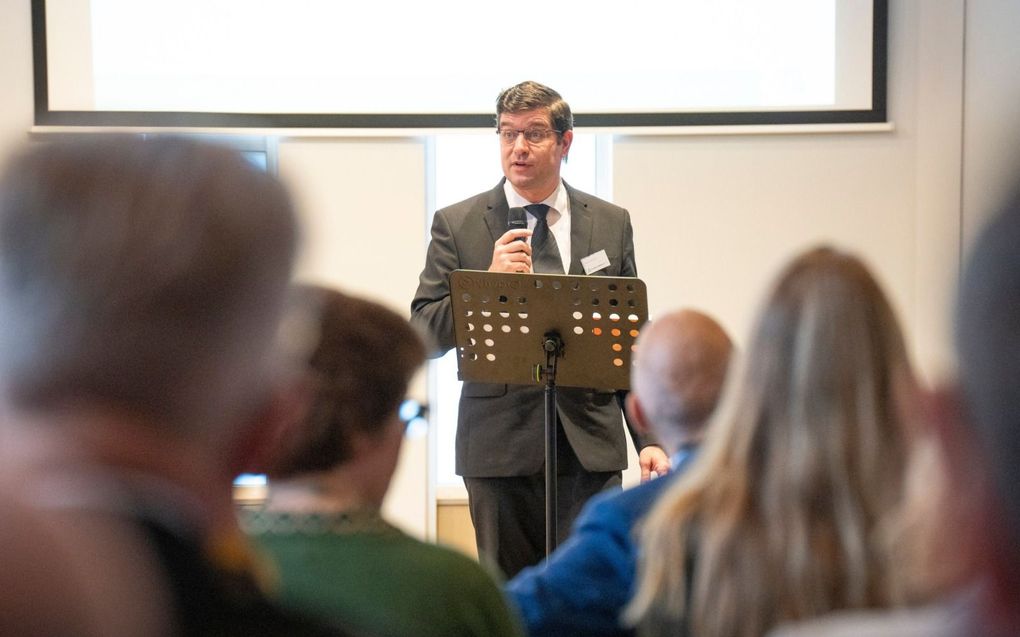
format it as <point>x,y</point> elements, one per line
<point>558,216</point>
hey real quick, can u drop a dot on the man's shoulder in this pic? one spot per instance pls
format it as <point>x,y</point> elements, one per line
<point>592,203</point>
<point>449,560</point>
<point>475,203</point>
<point>462,589</point>
<point>626,506</point>
<point>424,560</point>
<point>210,600</point>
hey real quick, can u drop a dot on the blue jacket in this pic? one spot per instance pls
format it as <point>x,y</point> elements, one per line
<point>582,587</point>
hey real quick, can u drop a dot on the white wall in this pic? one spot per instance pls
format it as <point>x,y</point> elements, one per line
<point>363,207</point>
<point>991,106</point>
<point>716,216</point>
<point>16,110</point>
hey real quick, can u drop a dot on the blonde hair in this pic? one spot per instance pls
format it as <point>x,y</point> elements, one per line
<point>779,517</point>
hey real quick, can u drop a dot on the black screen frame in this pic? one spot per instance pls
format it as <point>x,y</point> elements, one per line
<point>44,116</point>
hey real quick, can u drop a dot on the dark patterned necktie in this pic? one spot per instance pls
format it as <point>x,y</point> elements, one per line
<point>545,254</point>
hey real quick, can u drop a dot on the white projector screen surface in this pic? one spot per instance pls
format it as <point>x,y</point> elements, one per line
<point>452,57</point>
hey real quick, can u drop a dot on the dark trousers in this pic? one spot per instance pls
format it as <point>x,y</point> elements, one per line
<point>509,513</point>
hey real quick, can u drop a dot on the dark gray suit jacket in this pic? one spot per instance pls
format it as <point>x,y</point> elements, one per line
<point>500,427</point>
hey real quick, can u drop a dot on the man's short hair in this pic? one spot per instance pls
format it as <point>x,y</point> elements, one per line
<point>528,96</point>
<point>148,275</point>
<point>364,358</point>
<point>988,346</point>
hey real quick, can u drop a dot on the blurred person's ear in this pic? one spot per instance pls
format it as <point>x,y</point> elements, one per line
<point>636,414</point>
<point>279,419</point>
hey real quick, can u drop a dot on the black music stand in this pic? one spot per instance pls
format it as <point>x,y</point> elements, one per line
<point>530,329</point>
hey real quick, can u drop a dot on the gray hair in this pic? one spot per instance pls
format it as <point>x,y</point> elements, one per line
<point>144,274</point>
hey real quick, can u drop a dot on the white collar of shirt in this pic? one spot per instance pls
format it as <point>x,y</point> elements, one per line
<point>558,216</point>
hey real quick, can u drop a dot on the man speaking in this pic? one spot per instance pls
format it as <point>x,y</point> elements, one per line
<point>500,428</point>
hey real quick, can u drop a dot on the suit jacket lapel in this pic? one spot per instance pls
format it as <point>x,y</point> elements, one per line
<point>580,230</point>
<point>496,211</point>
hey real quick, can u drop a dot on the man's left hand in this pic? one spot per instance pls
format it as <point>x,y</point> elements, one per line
<point>653,458</point>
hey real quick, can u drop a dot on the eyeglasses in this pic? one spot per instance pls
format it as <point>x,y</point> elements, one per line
<point>532,135</point>
<point>412,413</point>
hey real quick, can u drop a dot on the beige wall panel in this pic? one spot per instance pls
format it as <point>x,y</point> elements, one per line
<point>938,121</point>
<point>362,203</point>
<point>991,148</point>
<point>715,217</point>
<point>454,527</point>
<point>16,103</point>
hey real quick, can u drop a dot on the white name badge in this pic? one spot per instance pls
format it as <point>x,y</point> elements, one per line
<point>595,262</point>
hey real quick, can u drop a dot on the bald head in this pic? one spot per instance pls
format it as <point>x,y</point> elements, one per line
<point>678,374</point>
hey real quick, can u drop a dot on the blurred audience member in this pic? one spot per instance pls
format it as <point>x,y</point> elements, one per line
<point>988,345</point>
<point>141,284</point>
<point>964,514</point>
<point>781,515</point>
<point>676,379</point>
<point>335,553</point>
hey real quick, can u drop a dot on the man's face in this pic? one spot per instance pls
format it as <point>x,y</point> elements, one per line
<point>532,167</point>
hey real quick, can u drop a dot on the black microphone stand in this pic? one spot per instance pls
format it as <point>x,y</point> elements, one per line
<point>552,344</point>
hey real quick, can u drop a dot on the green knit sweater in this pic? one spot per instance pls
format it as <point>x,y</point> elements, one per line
<point>358,568</point>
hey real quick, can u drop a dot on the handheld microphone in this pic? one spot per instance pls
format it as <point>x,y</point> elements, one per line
<point>517,219</point>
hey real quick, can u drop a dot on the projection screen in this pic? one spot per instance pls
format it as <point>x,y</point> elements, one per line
<point>397,63</point>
